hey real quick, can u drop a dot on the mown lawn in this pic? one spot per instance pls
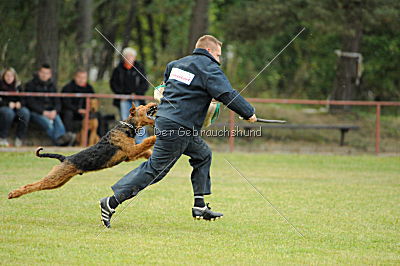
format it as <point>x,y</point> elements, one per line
<point>346,206</point>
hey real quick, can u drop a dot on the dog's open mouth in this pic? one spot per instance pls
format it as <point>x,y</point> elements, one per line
<point>151,112</point>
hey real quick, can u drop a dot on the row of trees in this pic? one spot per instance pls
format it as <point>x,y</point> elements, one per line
<point>349,50</point>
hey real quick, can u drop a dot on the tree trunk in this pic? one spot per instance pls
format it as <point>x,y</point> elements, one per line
<point>109,31</point>
<point>198,23</point>
<point>164,32</point>
<point>129,24</point>
<point>47,35</point>
<point>151,33</point>
<point>84,33</point>
<point>346,73</point>
<point>139,41</point>
<point>108,53</point>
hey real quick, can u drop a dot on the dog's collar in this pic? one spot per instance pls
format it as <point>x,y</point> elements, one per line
<point>126,124</point>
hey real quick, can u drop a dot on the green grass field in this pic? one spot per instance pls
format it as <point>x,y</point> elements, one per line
<point>346,206</point>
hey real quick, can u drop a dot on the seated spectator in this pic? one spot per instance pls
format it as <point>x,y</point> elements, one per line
<point>126,79</point>
<point>44,110</point>
<point>11,107</point>
<point>73,109</point>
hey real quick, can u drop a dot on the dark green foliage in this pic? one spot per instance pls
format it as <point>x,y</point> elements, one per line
<point>17,33</point>
<point>259,29</point>
<point>253,32</point>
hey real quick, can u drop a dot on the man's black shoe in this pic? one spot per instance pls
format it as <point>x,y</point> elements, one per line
<point>205,213</point>
<point>106,212</point>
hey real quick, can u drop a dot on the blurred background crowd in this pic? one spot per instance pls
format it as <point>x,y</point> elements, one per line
<point>349,51</point>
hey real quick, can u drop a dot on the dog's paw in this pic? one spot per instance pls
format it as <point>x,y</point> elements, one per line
<point>14,194</point>
<point>148,154</point>
<point>151,140</point>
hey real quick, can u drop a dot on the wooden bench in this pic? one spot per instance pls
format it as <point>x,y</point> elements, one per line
<point>342,128</point>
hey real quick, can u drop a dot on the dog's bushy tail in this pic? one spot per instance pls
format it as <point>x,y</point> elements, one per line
<point>49,155</point>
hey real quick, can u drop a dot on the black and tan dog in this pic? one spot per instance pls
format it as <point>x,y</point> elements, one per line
<point>117,146</point>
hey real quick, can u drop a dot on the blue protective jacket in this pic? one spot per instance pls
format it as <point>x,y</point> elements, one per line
<point>191,83</point>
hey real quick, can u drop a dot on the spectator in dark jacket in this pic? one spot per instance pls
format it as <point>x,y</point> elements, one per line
<point>45,110</point>
<point>10,107</point>
<point>129,77</point>
<point>74,108</point>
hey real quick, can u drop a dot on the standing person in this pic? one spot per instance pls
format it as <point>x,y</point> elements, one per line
<point>45,110</point>
<point>129,77</point>
<point>74,108</point>
<point>191,83</point>
<point>10,107</point>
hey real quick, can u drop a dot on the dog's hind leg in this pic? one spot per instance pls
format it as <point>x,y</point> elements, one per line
<point>58,176</point>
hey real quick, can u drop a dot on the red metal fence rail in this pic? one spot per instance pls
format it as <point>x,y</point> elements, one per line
<point>231,116</point>
<point>328,102</point>
<point>88,96</point>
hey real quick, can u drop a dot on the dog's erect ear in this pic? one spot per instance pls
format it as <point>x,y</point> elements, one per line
<point>133,109</point>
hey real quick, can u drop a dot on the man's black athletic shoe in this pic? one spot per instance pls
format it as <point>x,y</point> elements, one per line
<point>106,211</point>
<point>205,213</point>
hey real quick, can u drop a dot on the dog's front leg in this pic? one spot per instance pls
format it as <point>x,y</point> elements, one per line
<point>145,154</point>
<point>140,150</point>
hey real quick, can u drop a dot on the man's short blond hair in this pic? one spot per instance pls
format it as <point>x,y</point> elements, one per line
<point>208,41</point>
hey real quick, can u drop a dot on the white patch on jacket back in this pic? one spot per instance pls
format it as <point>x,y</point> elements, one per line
<point>181,75</point>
